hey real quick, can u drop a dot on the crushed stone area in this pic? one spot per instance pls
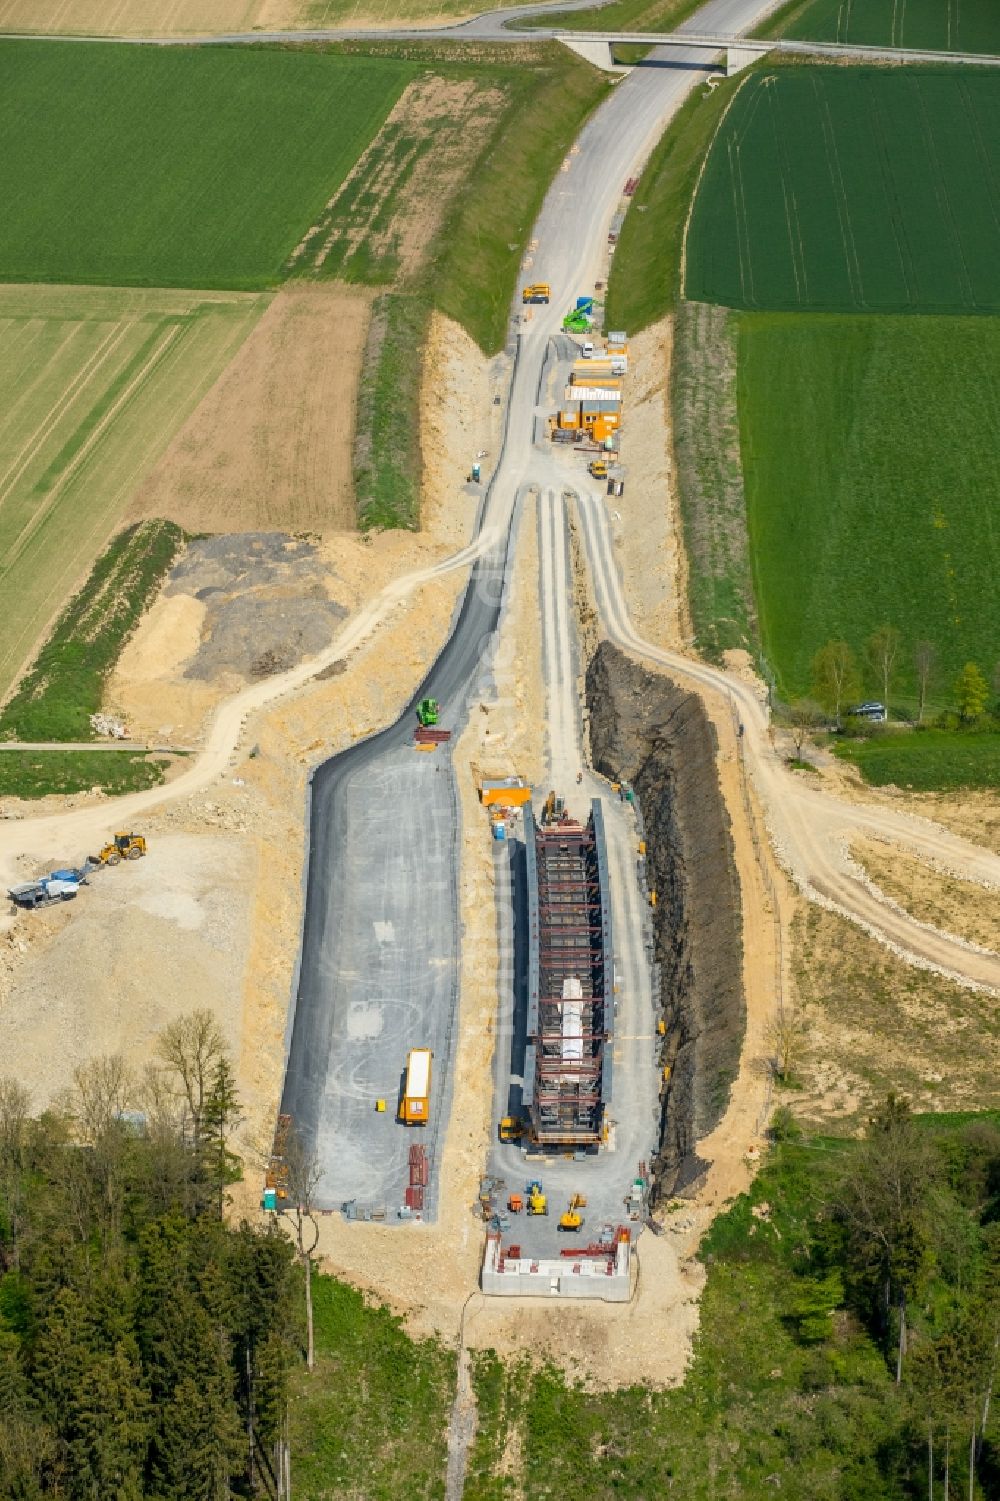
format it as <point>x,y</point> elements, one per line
<point>143,943</point>
<point>266,603</point>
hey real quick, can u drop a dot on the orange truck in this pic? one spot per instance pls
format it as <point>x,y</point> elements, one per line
<point>415,1108</point>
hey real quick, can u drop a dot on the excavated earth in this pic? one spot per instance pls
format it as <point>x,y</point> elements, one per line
<point>654,735</point>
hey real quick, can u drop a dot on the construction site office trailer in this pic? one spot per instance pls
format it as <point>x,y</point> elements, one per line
<point>417,1089</point>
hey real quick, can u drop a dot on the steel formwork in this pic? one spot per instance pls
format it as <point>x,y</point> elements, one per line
<point>570,1020</point>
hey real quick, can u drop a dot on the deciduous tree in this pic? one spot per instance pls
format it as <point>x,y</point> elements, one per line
<point>835,676</point>
<point>971,692</point>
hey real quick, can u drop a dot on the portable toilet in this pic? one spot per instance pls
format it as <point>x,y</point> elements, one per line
<point>270,1200</point>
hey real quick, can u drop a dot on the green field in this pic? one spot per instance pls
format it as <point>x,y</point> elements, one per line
<point>93,385</point>
<point>941,25</point>
<point>927,760</point>
<point>871,457</point>
<point>175,167</point>
<point>853,189</point>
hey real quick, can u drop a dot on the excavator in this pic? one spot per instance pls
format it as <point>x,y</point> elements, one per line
<point>427,712</point>
<point>122,847</point>
<point>573,1219</point>
<point>511,1128</point>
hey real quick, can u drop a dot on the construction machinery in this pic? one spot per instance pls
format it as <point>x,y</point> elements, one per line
<point>428,711</point>
<point>415,1106</point>
<point>511,1128</point>
<point>573,1219</point>
<point>536,1200</point>
<point>276,1173</point>
<point>579,319</point>
<point>59,886</point>
<point>122,847</point>
<point>538,291</point>
<point>598,468</point>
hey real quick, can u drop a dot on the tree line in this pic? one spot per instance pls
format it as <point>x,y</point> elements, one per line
<point>906,1237</point>
<point>839,679</point>
<point>145,1344</point>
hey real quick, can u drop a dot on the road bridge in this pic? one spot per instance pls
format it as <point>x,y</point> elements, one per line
<point>735,53</point>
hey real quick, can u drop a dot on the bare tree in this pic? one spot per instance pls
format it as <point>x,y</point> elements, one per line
<point>304,1175</point>
<point>804,715</point>
<point>883,654</point>
<point>786,1037</point>
<point>191,1047</point>
<point>104,1090</point>
<point>924,659</point>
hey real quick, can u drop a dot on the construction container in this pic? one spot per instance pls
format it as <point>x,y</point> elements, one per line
<point>504,792</point>
<point>415,1107</point>
<point>499,831</point>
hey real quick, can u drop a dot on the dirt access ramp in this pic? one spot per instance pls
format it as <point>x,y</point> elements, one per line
<point>269,447</point>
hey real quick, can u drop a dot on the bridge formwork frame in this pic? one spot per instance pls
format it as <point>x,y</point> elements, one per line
<point>570,1013</point>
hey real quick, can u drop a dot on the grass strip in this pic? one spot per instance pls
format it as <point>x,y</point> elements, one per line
<point>370,1420</point>
<point>33,774</point>
<point>646,268</point>
<point>65,683</point>
<point>626,15</point>
<point>387,459</point>
<point>710,480</point>
<point>483,240</point>
<point>927,760</point>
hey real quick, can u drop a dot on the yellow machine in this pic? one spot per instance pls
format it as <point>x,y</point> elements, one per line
<point>537,1202</point>
<point>598,468</point>
<point>538,291</point>
<point>573,1219</point>
<point>123,847</point>
<point>510,1128</point>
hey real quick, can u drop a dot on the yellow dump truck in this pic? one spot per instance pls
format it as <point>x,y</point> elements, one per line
<point>537,291</point>
<point>415,1107</point>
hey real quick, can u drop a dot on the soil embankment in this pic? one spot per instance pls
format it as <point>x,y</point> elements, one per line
<point>651,733</point>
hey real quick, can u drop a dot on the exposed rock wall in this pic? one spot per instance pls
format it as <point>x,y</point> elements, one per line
<point>653,734</point>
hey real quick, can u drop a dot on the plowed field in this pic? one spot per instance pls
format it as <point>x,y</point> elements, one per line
<point>93,384</point>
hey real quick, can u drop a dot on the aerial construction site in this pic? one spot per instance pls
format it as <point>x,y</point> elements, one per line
<point>536,919</point>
